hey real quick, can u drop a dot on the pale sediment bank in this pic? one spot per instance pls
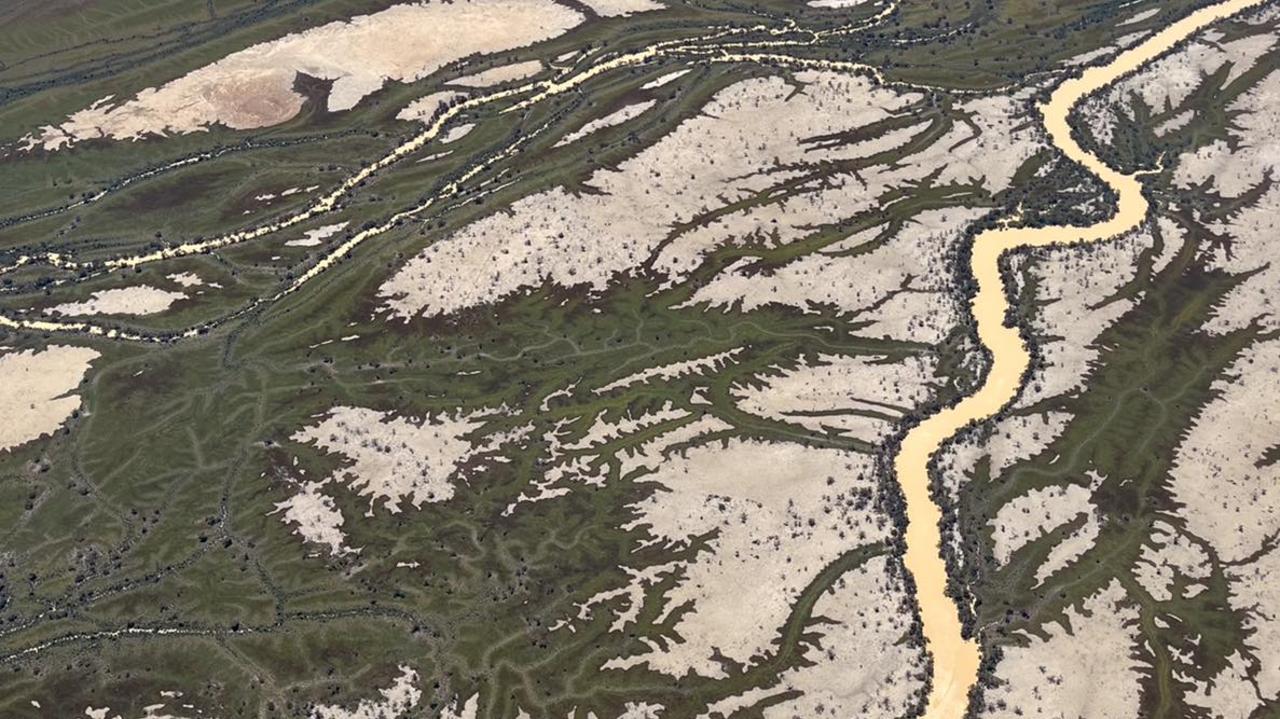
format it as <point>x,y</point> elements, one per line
<point>956,658</point>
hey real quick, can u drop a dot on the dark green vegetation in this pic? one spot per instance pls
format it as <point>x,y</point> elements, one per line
<point>139,551</point>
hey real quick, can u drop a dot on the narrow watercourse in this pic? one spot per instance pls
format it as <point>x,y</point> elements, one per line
<point>956,658</point>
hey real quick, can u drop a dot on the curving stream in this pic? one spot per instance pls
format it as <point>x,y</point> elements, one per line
<point>955,658</point>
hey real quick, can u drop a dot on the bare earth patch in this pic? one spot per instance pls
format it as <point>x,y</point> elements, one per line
<point>613,8</point>
<point>139,300</point>
<point>314,237</point>
<point>614,118</point>
<point>253,88</point>
<point>316,517</point>
<point>396,701</point>
<point>186,279</point>
<point>394,458</point>
<point>500,74</point>
<point>1082,670</point>
<point>782,513</point>
<point>730,152</point>
<point>36,391</point>
<point>862,397</point>
<point>1031,515</point>
<point>859,667</point>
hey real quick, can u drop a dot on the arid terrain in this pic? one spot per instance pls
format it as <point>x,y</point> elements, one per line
<point>639,359</point>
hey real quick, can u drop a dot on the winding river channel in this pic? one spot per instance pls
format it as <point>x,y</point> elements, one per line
<point>955,658</point>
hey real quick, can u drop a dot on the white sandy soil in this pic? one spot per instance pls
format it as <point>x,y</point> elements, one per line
<point>1072,285</point>
<point>138,300</point>
<point>424,108</point>
<point>498,75</point>
<point>1084,670</point>
<point>37,391</point>
<point>614,8</point>
<point>314,237</point>
<point>1255,590</point>
<point>316,517</point>
<point>616,117</point>
<point>397,700</point>
<point>859,667</point>
<point>1232,500</point>
<point>396,459</point>
<point>253,87</point>
<point>584,240</point>
<point>186,279</point>
<point>664,79</point>
<point>1252,229</point>
<point>842,387</point>
<point>1071,548</point>
<point>1169,553</point>
<point>782,513</point>
<point>462,709</point>
<point>1031,515</point>
<point>1168,81</point>
<point>707,365</point>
